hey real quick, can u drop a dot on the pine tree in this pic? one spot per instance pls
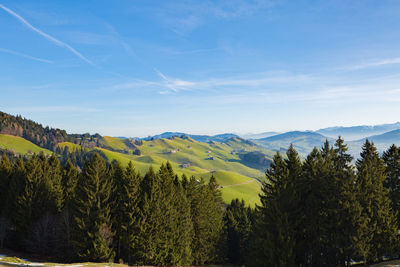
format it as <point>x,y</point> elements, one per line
<point>92,235</point>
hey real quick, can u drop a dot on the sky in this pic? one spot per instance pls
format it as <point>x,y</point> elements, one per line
<point>141,67</point>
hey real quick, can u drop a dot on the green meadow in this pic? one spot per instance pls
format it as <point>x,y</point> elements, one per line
<point>187,156</point>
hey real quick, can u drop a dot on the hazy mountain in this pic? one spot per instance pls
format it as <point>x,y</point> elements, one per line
<point>381,141</point>
<point>199,138</point>
<point>303,142</point>
<point>258,135</point>
<point>358,132</point>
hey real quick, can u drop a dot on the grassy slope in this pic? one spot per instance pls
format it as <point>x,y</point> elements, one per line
<point>20,145</point>
<point>71,146</point>
<point>180,151</point>
<point>184,151</point>
<point>115,143</point>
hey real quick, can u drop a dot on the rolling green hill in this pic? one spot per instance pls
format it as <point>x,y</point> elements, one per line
<point>19,145</point>
<point>227,156</point>
<point>193,158</point>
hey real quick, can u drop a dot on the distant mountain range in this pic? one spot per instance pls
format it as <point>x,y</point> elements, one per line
<point>199,138</point>
<point>258,135</point>
<point>358,132</point>
<point>303,142</point>
<point>382,135</point>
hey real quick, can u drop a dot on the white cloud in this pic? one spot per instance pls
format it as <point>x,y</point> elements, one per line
<point>45,35</point>
<point>383,62</point>
<point>175,85</point>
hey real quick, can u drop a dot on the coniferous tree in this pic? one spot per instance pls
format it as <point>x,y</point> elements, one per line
<point>183,225</point>
<point>125,209</point>
<point>117,203</point>
<point>207,212</point>
<point>5,175</point>
<point>65,224</point>
<point>238,226</point>
<point>347,209</point>
<point>391,158</point>
<point>311,192</point>
<point>149,220</point>
<point>54,177</point>
<point>379,232</point>
<point>17,183</point>
<point>130,218</point>
<point>274,239</point>
<point>92,234</point>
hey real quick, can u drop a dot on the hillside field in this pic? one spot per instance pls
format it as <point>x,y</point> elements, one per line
<point>187,156</point>
<point>19,145</point>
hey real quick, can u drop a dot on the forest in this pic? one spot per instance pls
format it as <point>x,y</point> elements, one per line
<point>325,210</point>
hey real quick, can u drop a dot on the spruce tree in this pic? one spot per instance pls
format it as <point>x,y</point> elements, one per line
<point>125,199</point>
<point>347,207</point>
<point>183,226</point>
<point>92,234</point>
<point>238,226</point>
<point>391,158</point>
<point>5,175</point>
<point>274,239</point>
<point>69,181</point>
<point>380,232</point>
<point>150,220</point>
<point>130,218</point>
<point>207,211</point>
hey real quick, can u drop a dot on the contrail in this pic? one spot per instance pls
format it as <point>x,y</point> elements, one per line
<point>25,56</point>
<point>167,81</point>
<point>45,35</point>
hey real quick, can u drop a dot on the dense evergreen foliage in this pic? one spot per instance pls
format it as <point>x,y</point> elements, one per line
<point>108,212</point>
<point>321,211</point>
<point>325,212</point>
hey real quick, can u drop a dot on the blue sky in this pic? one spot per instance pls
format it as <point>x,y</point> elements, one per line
<point>137,68</point>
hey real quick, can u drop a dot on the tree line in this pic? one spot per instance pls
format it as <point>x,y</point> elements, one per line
<point>325,210</point>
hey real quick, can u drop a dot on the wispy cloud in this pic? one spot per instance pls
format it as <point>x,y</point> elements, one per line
<point>379,63</point>
<point>7,51</point>
<point>185,16</point>
<point>168,84</point>
<point>45,35</point>
<point>174,85</point>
